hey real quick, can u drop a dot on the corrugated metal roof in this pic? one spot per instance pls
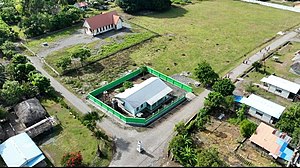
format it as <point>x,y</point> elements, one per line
<point>282,83</point>
<point>20,151</point>
<point>263,105</point>
<point>150,91</point>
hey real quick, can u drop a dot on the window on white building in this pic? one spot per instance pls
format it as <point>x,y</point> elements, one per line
<point>258,113</point>
<point>278,90</point>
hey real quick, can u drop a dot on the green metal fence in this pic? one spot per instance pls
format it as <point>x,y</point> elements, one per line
<point>169,79</point>
<point>116,82</point>
<point>132,120</point>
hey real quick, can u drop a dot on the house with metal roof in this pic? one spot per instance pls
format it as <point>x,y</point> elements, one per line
<point>273,141</point>
<point>149,95</point>
<point>281,87</point>
<point>21,151</point>
<point>261,108</point>
<point>102,23</point>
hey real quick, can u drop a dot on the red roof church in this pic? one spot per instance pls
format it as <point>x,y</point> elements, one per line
<point>102,23</point>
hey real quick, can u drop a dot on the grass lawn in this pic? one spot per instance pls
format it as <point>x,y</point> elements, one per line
<point>73,137</point>
<point>220,32</point>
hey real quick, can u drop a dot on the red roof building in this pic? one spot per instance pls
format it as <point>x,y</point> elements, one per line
<point>81,5</point>
<point>102,23</point>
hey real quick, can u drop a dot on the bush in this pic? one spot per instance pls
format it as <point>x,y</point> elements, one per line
<point>247,128</point>
<point>72,159</point>
<point>127,85</point>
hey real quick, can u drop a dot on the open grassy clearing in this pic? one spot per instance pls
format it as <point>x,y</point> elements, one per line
<point>221,32</point>
<point>72,137</point>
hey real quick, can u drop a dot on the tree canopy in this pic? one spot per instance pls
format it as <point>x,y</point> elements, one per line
<point>289,121</point>
<point>206,74</point>
<point>133,6</point>
<point>224,86</point>
<point>247,128</point>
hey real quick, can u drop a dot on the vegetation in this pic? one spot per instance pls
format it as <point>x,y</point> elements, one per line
<point>74,136</point>
<point>224,86</point>
<point>181,2</point>
<point>247,128</point>
<point>41,23</point>
<point>209,158</point>
<point>257,65</point>
<point>3,112</point>
<point>8,49</point>
<point>206,74</point>
<point>7,33</point>
<point>289,122</point>
<point>60,59</point>
<point>215,39</point>
<point>72,159</point>
<point>133,6</point>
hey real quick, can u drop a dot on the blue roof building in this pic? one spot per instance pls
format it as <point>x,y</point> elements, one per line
<point>20,151</point>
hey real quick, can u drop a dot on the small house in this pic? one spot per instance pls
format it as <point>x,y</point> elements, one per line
<point>149,95</point>
<point>102,23</point>
<point>281,87</point>
<point>272,141</point>
<point>262,109</point>
<point>81,5</point>
<point>21,151</point>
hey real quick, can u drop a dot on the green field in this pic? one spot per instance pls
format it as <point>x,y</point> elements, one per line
<point>221,32</point>
<point>100,49</point>
<point>72,138</point>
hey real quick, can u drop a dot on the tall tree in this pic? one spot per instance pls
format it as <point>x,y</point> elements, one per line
<point>224,86</point>
<point>206,74</point>
<point>40,81</point>
<point>214,100</point>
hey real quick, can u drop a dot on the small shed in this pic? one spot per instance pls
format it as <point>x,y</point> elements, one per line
<point>281,87</point>
<point>21,151</point>
<point>261,108</point>
<point>30,111</point>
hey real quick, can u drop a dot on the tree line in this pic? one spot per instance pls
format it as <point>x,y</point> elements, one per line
<point>36,17</point>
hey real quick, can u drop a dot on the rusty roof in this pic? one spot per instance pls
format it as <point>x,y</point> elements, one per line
<point>103,20</point>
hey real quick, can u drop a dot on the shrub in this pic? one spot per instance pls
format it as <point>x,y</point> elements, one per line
<point>127,85</point>
<point>247,128</point>
<point>72,159</point>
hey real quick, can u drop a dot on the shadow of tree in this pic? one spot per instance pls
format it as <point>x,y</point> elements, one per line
<point>173,12</point>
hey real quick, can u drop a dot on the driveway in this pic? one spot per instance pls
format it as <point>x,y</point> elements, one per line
<point>156,137</point>
<point>79,37</point>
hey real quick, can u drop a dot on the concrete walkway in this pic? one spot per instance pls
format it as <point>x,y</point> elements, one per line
<point>273,5</point>
<point>233,74</point>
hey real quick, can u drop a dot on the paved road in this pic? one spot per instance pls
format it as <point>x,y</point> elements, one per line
<point>273,5</point>
<point>259,55</point>
<point>155,139</point>
<point>75,101</point>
